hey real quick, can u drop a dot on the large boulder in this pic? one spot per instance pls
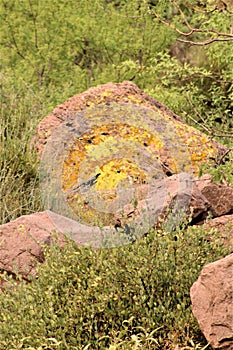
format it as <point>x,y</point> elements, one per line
<point>199,147</point>
<point>212,302</point>
<point>99,146</point>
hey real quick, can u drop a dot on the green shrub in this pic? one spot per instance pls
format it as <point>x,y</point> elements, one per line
<point>136,296</point>
<point>19,114</point>
<point>96,299</point>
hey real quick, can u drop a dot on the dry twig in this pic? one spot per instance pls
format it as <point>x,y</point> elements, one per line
<point>216,36</point>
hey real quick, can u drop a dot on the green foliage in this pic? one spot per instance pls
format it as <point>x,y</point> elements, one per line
<point>46,42</point>
<point>205,85</point>
<point>18,164</point>
<point>221,173</point>
<point>100,298</point>
<point>136,296</point>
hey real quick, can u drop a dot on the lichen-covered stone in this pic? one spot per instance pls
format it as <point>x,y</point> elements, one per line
<point>200,147</point>
<point>107,142</point>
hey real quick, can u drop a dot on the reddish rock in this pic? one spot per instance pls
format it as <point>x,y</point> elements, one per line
<point>224,225</point>
<point>220,196</point>
<point>199,147</point>
<point>212,302</point>
<point>22,241</point>
<point>174,199</point>
<point>126,92</point>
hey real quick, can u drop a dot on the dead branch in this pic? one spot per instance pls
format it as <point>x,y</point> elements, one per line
<point>204,43</point>
<point>213,132</point>
<point>219,36</point>
<point>224,155</point>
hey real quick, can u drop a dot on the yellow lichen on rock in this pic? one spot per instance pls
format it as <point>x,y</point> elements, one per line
<point>199,147</point>
<point>116,171</point>
<point>121,138</point>
<point>99,145</point>
<point>101,134</point>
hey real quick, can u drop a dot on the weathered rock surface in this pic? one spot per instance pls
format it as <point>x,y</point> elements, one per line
<point>198,145</point>
<point>220,196</point>
<point>223,223</point>
<point>171,199</point>
<point>22,240</point>
<point>21,243</point>
<point>126,92</point>
<point>212,302</point>
<point>224,226</point>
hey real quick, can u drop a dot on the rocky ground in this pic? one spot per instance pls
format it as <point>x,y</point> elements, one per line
<point>22,240</point>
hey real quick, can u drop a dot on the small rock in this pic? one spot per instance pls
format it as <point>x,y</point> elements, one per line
<point>175,199</point>
<point>212,302</point>
<point>21,243</point>
<point>224,225</point>
<point>219,196</point>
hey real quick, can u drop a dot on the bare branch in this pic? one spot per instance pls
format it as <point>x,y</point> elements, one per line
<point>207,130</point>
<point>204,43</point>
<point>34,18</point>
<point>183,16</point>
<point>211,131</point>
<point>202,11</point>
<point>224,155</point>
<point>218,36</point>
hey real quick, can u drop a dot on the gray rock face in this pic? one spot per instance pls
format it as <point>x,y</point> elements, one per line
<point>212,302</point>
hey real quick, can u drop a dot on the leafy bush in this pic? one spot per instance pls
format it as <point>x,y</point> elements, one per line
<point>135,294</point>
<point>19,111</point>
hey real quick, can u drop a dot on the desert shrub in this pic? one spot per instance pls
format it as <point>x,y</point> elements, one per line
<point>51,51</point>
<point>19,112</point>
<point>85,298</point>
<point>136,296</point>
